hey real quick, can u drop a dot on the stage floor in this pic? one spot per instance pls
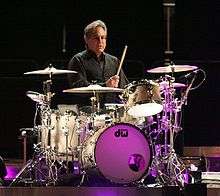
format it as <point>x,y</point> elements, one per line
<point>189,190</point>
<point>192,190</point>
<point>88,191</point>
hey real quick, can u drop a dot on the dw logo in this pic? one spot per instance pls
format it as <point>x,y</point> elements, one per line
<point>121,133</point>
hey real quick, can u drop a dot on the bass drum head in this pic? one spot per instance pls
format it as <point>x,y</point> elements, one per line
<point>122,153</point>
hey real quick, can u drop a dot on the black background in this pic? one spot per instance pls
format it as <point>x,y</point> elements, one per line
<point>31,37</point>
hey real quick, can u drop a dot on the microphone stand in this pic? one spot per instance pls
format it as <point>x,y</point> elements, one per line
<point>168,11</point>
<point>167,166</point>
<point>185,96</point>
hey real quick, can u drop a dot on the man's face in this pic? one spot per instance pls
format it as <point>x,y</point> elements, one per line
<point>96,42</point>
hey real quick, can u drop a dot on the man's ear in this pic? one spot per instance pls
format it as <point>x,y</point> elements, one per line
<point>85,39</point>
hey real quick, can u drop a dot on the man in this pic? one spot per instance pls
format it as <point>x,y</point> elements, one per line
<point>94,66</point>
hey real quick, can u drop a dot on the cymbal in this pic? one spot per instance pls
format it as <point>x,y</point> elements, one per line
<point>165,84</point>
<point>35,96</point>
<point>93,89</point>
<point>172,68</point>
<point>50,71</point>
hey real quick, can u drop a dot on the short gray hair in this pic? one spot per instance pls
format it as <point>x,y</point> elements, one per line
<point>90,28</point>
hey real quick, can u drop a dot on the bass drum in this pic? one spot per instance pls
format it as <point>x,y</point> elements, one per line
<point>120,152</point>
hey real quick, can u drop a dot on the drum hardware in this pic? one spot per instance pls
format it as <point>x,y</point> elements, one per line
<point>66,134</point>
<point>42,169</point>
<point>185,95</point>
<point>88,153</point>
<point>95,103</point>
<point>167,167</point>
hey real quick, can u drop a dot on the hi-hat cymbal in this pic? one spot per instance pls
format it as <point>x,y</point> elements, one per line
<point>172,68</point>
<point>93,89</point>
<point>50,71</point>
<point>35,96</point>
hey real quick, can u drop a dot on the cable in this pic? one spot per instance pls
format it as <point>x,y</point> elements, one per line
<point>204,78</point>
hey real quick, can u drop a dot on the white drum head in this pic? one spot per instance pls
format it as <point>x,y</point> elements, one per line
<point>144,110</point>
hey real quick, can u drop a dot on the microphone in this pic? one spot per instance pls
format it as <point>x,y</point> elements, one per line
<point>190,74</point>
<point>184,99</point>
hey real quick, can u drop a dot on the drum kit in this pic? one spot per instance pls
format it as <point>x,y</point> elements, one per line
<point>126,143</point>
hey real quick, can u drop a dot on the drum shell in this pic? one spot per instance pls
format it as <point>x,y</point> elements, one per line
<point>143,98</point>
<point>145,91</point>
<point>63,136</point>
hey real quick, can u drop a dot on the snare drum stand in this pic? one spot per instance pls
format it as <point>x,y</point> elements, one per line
<point>168,166</point>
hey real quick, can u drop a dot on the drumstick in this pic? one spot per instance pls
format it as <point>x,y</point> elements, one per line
<point>122,59</point>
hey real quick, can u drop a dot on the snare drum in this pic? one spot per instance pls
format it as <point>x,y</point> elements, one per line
<point>121,152</point>
<point>143,98</point>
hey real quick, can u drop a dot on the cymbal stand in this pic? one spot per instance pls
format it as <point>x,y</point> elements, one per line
<point>47,152</point>
<point>38,171</point>
<point>95,108</point>
<point>95,103</point>
<point>41,169</point>
<point>168,166</point>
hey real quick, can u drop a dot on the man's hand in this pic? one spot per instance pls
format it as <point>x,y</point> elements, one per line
<point>113,81</point>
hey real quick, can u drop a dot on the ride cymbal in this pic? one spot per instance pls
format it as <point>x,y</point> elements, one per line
<point>172,68</point>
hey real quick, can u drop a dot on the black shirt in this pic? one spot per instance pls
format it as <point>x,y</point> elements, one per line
<point>93,70</point>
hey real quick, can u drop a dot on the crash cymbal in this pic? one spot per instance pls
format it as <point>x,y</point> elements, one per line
<point>50,71</point>
<point>93,89</point>
<point>172,68</point>
<point>165,84</point>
